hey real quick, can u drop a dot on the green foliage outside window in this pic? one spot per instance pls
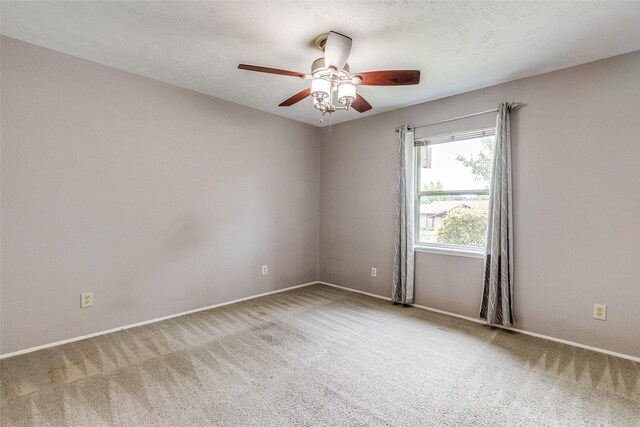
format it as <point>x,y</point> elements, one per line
<point>481,165</point>
<point>433,186</point>
<point>464,226</point>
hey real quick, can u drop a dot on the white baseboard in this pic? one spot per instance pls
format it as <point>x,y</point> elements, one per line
<point>146,322</point>
<point>521,331</point>
<point>356,291</point>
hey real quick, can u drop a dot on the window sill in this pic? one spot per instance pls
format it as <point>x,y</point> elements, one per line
<point>441,250</point>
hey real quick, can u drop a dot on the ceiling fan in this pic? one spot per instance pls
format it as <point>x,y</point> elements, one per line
<point>331,78</point>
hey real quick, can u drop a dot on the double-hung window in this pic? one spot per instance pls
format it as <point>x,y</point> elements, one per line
<point>453,175</point>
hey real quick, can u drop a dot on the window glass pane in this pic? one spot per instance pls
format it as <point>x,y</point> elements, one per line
<point>458,165</point>
<point>453,220</point>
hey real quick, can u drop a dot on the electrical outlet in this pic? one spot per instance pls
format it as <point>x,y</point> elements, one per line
<point>264,269</point>
<point>374,272</point>
<point>86,300</point>
<point>600,311</point>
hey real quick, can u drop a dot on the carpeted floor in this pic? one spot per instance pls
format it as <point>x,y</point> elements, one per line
<point>318,356</point>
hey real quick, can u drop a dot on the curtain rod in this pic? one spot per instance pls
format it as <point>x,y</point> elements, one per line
<point>493,110</point>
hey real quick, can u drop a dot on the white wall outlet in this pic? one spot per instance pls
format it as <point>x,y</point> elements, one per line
<point>600,311</point>
<point>264,269</point>
<point>86,300</point>
<point>374,272</point>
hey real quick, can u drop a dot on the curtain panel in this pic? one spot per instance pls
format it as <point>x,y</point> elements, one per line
<point>497,295</point>
<point>403,263</point>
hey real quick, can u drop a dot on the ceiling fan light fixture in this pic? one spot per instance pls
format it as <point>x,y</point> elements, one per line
<point>320,89</point>
<point>346,93</point>
<point>333,87</point>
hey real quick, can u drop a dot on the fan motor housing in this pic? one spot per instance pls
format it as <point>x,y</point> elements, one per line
<point>318,69</point>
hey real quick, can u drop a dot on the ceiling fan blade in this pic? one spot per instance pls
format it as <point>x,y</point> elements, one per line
<point>296,98</point>
<point>390,78</point>
<point>270,70</point>
<point>360,104</point>
<point>336,50</point>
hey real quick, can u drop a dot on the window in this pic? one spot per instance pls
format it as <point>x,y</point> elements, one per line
<point>452,184</point>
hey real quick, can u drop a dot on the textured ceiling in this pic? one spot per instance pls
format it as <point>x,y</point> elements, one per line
<point>459,46</point>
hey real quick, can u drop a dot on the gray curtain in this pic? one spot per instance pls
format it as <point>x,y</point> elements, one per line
<point>497,295</point>
<point>403,262</point>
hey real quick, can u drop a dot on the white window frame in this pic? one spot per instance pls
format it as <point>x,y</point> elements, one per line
<point>443,248</point>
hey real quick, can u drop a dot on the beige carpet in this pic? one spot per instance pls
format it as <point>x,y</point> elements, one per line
<point>318,356</point>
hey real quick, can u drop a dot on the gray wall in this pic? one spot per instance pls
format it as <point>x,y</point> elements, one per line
<point>576,162</point>
<point>156,198</point>
<point>161,200</point>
